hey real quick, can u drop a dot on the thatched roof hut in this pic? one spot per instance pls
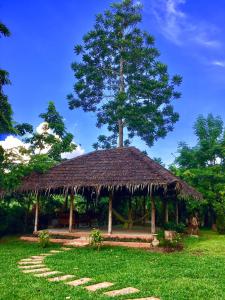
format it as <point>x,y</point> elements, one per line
<point>113,172</point>
<point>121,169</point>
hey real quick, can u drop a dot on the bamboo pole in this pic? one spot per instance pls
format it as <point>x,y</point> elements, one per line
<point>177,212</point>
<point>36,215</point>
<point>166,211</point>
<point>71,212</point>
<point>110,215</point>
<point>152,215</point>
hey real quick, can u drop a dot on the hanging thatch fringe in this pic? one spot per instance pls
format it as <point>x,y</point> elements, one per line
<point>112,170</point>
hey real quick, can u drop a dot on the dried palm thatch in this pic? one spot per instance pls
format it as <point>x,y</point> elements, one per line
<point>111,170</point>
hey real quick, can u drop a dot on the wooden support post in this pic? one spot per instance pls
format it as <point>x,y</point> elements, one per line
<point>177,212</point>
<point>71,212</point>
<point>36,215</point>
<point>166,211</point>
<point>152,215</point>
<point>110,214</point>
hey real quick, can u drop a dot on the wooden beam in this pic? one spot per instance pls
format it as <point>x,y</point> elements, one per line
<point>177,212</point>
<point>71,212</point>
<point>36,215</point>
<point>110,214</point>
<point>152,215</point>
<point>166,211</point>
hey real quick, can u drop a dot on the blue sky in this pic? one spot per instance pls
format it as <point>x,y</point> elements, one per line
<point>189,34</point>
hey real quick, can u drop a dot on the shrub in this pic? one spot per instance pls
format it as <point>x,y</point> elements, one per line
<point>220,223</point>
<point>44,238</point>
<point>180,227</point>
<point>96,238</point>
<point>172,245</point>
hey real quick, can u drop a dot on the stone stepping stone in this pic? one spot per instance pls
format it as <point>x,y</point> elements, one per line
<point>78,281</point>
<point>61,278</point>
<point>125,291</point>
<point>37,257</point>
<point>40,270</point>
<point>66,249</point>
<point>55,251</point>
<point>97,286</point>
<point>31,259</point>
<point>31,267</point>
<point>46,274</point>
<point>45,254</point>
<point>33,262</point>
<point>148,298</point>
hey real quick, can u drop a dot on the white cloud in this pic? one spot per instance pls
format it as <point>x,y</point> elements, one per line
<point>179,27</point>
<point>219,63</point>
<point>77,152</point>
<point>13,146</point>
<point>12,142</point>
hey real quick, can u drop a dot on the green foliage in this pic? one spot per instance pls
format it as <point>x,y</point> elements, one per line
<point>159,161</point>
<point>4,31</point>
<point>96,238</point>
<point>54,136</point>
<point>203,166</point>
<point>44,238</point>
<point>220,223</point>
<point>11,218</point>
<point>6,120</point>
<point>175,244</point>
<point>118,76</point>
<point>180,227</point>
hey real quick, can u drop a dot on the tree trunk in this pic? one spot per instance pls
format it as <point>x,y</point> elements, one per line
<point>36,215</point>
<point>130,217</point>
<point>177,212</point>
<point>166,212</point>
<point>121,88</point>
<point>152,215</point>
<point>110,215</point>
<point>71,212</point>
<point>120,122</point>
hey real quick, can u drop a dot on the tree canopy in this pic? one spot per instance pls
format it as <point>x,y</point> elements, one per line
<point>119,76</point>
<point>203,165</point>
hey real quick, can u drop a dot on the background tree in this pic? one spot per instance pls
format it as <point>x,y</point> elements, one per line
<point>6,122</point>
<point>203,166</point>
<point>121,79</point>
<point>54,138</point>
<point>7,125</point>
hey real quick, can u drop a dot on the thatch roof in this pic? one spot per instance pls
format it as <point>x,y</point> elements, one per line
<point>113,169</point>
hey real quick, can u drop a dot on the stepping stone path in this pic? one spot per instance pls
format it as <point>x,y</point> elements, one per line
<point>61,278</point>
<point>46,274</point>
<point>79,281</point>
<point>101,285</point>
<point>31,267</point>
<point>35,266</point>
<point>40,270</point>
<point>125,291</point>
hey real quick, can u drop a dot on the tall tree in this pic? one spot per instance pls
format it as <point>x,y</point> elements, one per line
<point>203,165</point>
<point>120,77</point>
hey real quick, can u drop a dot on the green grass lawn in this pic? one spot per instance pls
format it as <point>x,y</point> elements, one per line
<point>196,273</point>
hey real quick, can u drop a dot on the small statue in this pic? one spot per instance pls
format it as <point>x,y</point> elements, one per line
<point>194,224</point>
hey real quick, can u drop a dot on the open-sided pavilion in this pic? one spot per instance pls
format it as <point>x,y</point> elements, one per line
<point>113,173</point>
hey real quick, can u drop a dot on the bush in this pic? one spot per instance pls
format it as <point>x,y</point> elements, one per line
<point>11,219</point>
<point>44,238</point>
<point>96,238</point>
<point>176,244</point>
<point>220,223</point>
<point>180,227</point>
